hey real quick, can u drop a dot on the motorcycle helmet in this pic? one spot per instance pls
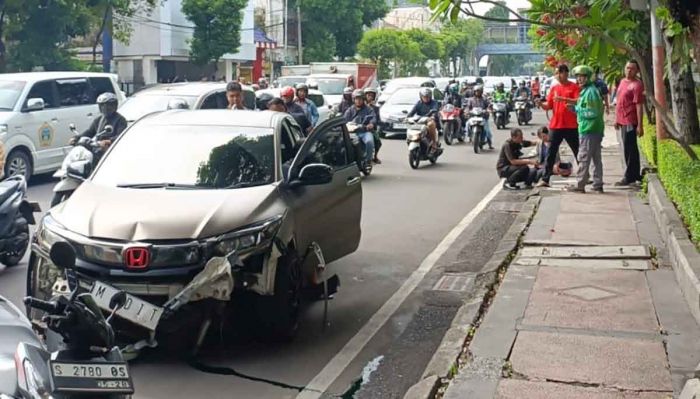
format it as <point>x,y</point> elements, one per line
<point>479,81</point>
<point>426,92</point>
<point>371,90</point>
<point>454,88</point>
<point>312,84</point>
<point>347,91</point>
<point>262,100</point>
<point>501,86</point>
<point>478,88</point>
<point>107,103</point>
<point>359,93</point>
<point>302,86</point>
<point>287,91</point>
<point>522,83</point>
<point>178,103</point>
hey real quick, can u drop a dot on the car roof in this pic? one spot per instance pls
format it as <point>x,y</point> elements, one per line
<point>186,88</point>
<point>275,92</point>
<point>411,79</point>
<point>36,76</point>
<point>214,117</point>
<point>328,75</point>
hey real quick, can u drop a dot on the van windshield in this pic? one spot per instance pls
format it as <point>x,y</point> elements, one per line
<point>10,90</point>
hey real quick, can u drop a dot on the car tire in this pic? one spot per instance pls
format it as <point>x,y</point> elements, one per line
<point>18,162</point>
<point>278,314</point>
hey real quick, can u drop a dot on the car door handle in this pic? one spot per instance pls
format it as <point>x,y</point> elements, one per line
<point>352,181</point>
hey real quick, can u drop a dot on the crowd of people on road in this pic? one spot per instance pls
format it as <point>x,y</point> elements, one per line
<point>578,112</point>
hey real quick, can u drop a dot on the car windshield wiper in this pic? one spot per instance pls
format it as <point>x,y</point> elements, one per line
<point>244,184</point>
<point>159,185</point>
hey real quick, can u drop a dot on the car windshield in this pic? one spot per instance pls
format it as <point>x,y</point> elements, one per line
<point>139,105</point>
<point>317,99</point>
<point>392,86</point>
<point>404,97</point>
<point>331,86</point>
<point>10,91</point>
<point>290,80</point>
<point>198,157</point>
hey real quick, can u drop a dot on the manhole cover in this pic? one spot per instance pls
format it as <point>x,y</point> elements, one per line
<point>503,206</point>
<point>453,282</point>
<point>589,293</point>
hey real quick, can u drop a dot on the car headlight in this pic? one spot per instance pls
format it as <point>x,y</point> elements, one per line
<point>46,235</point>
<point>258,235</point>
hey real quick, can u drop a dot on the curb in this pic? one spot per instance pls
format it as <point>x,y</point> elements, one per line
<point>442,364</point>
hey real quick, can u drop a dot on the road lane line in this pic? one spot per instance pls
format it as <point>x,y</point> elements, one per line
<point>323,380</point>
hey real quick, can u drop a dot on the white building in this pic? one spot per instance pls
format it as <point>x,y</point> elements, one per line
<point>403,18</point>
<point>158,49</point>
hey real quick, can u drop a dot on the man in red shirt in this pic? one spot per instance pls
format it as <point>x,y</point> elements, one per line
<point>628,118</point>
<point>535,85</point>
<point>563,124</point>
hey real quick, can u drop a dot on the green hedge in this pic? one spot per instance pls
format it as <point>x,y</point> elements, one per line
<point>679,175</point>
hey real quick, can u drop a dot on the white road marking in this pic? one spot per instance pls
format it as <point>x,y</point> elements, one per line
<point>320,383</point>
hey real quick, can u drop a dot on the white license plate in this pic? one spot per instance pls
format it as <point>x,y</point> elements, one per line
<point>82,377</point>
<point>135,310</point>
<point>90,370</point>
<point>400,126</point>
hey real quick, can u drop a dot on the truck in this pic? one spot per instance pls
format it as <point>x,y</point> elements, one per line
<point>332,77</point>
<point>296,70</point>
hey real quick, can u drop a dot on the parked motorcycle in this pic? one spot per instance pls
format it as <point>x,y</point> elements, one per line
<point>363,163</point>
<point>523,110</point>
<point>419,148</point>
<point>477,128</point>
<point>82,158</point>
<point>79,358</point>
<point>500,114</point>
<point>451,124</point>
<point>16,214</point>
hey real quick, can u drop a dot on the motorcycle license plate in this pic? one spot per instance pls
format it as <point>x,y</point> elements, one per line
<point>135,310</point>
<point>86,377</point>
<point>400,126</point>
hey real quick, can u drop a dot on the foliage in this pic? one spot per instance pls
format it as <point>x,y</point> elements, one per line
<point>408,50</point>
<point>343,20</point>
<point>498,11</point>
<point>459,38</point>
<point>680,176</point>
<point>217,28</point>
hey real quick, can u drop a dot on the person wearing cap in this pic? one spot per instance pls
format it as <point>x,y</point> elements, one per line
<point>371,99</point>
<point>479,101</point>
<point>293,109</point>
<point>234,95</point>
<point>563,125</point>
<point>362,114</point>
<point>426,106</point>
<point>590,113</point>
<point>302,91</point>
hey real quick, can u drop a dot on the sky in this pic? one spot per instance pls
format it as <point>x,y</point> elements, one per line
<point>514,4</point>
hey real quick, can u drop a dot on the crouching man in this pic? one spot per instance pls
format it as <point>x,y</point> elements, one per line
<point>510,166</point>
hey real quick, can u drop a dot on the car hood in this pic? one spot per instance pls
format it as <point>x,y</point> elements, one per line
<point>164,214</point>
<point>394,111</point>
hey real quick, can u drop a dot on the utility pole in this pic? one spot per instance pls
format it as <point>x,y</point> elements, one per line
<point>659,63</point>
<point>299,49</point>
<point>286,26</point>
<point>107,40</point>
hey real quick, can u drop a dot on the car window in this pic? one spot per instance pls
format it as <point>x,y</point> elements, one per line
<point>99,86</point>
<point>45,91</point>
<point>329,148</point>
<point>215,101</point>
<point>317,99</point>
<point>248,99</point>
<point>10,91</point>
<point>404,97</point>
<point>72,92</point>
<point>143,104</point>
<point>287,143</point>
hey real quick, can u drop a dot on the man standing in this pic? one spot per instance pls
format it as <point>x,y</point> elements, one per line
<point>536,88</point>
<point>589,109</point>
<point>628,118</point>
<point>563,125</point>
<point>234,95</point>
<point>510,166</point>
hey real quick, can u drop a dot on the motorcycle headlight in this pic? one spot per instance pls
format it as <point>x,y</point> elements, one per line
<point>46,235</point>
<point>258,235</point>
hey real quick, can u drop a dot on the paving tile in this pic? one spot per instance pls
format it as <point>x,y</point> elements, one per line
<point>520,389</point>
<point>623,264</point>
<point>595,228</point>
<point>621,363</point>
<point>615,202</point>
<point>605,300</point>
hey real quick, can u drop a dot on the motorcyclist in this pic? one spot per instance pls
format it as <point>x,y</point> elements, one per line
<point>523,91</point>
<point>371,99</point>
<point>294,109</point>
<point>500,95</point>
<point>453,96</point>
<point>108,104</point>
<point>479,101</point>
<point>425,107</point>
<point>262,82</point>
<point>466,90</point>
<point>362,114</point>
<point>302,91</point>
<point>347,102</point>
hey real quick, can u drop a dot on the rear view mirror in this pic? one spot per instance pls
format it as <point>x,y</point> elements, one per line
<point>80,169</point>
<point>35,104</point>
<point>62,255</point>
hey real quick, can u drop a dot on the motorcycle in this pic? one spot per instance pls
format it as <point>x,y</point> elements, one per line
<point>363,163</point>
<point>500,114</point>
<point>16,214</point>
<point>79,356</point>
<point>477,128</point>
<point>451,123</point>
<point>419,148</point>
<point>523,110</point>
<point>83,156</point>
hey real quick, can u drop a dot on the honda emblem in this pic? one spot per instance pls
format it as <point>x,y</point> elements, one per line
<point>137,257</point>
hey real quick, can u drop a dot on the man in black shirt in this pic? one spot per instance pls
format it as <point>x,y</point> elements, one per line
<point>108,104</point>
<point>510,166</point>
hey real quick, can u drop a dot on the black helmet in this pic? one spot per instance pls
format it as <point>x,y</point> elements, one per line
<point>500,85</point>
<point>107,103</point>
<point>479,81</point>
<point>262,100</point>
<point>178,103</point>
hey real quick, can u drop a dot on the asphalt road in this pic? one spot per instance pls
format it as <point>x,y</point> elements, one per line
<point>406,214</point>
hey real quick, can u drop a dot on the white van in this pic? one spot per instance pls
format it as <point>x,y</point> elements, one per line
<point>36,110</point>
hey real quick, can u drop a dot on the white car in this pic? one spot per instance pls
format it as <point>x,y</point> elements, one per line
<point>490,83</point>
<point>400,83</point>
<point>324,109</point>
<point>36,109</point>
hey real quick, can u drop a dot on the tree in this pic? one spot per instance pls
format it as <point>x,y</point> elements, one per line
<point>217,28</point>
<point>381,46</point>
<point>498,10</point>
<point>604,25</point>
<point>459,39</point>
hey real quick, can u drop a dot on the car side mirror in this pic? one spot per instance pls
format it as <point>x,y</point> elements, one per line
<point>404,111</point>
<point>314,174</point>
<point>62,255</point>
<point>80,169</point>
<point>35,104</point>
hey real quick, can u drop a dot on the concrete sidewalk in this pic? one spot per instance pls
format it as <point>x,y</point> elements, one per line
<point>589,308</point>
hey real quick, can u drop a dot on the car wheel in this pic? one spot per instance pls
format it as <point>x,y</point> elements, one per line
<point>18,163</point>
<point>278,314</point>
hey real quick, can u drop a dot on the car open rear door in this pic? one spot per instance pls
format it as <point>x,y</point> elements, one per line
<point>328,214</point>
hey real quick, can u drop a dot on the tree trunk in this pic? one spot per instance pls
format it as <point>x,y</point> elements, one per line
<point>685,110</point>
<point>695,36</point>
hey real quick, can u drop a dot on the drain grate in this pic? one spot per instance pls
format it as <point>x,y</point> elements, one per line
<point>453,282</point>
